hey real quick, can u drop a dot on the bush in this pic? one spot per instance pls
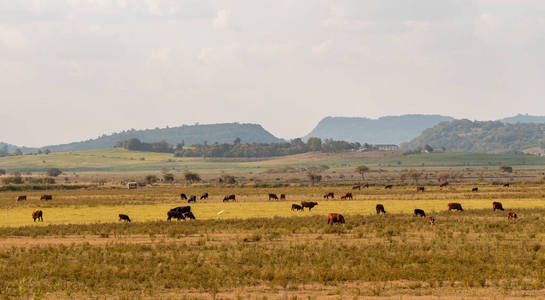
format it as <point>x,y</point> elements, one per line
<point>152,179</point>
<point>15,179</point>
<point>191,177</point>
<point>227,179</point>
<point>168,177</point>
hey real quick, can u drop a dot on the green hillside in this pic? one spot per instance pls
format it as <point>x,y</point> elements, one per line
<point>477,136</point>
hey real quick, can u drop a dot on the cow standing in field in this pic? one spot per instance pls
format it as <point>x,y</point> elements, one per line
<point>431,220</point>
<point>38,215</point>
<point>475,189</point>
<point>506,185</point>
<point>183,196</point>
<point>380,209</point>
<point>273,197</point>
<point>365,186</point>
<point>175,214</point>
<point>125,218</point>
<point>282,196</point>
<point>455,206</point>
<point>420,189</point>
<point>192,199</point>
<point>188,215</point>
<point>419,212</point>
<point>204,196</point>
<point>512,216</point>
<point>296,207</point>
<point>229,198</point>
<point>328,195</point>
<point>21,198</point>
<point>310,205</point>
<point>335,218</point>
<point>443,184</point>
<point>497,205</point>
<point>356,187</point>
<point>346,196</point>
<point>46,197</point>
<point>388,187</point>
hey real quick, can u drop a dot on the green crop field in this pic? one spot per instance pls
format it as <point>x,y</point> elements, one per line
<point>123,161</point>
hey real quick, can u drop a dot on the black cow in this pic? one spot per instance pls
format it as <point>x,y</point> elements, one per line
<point>273,197</point>
<point>229,198</point>
<point>497,205</point>
<point>204,196</point>
<point>123,217</point>
<point>38,215</point>
<point>46,197</point>
<point>183,196</point>
<point>475,189</point>
<point>389,186</point>
<point>192,198</point>
<point>419,212</point>
<point>296,207</point>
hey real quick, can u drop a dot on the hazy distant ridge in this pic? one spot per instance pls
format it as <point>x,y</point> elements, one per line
<point>385,130</point>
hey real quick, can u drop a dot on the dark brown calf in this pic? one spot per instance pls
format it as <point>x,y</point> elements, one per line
<point>506,185</point>
<point>46,197</point>
<point>273,197</point>
<point>189,215</point>
<point>21,198</point>
<point>455,206</point>
<point>125,218</point>
<point>420,188</point>
<point>296,207</point>
<point>282,196</point>
<point>388,186</point>
<point>475,189</point>
<point>443,184</point>
<point>347,196</point>
<point>335,218</point>
<point>356,187</point>
<point>38,215</point>
<point>380,209</point>
<point>497,205</point>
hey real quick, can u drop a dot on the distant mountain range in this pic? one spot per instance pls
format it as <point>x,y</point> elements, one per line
<point>407,129</point>
<point>189,134</point>
<point>385,130</point>
<point>477,136</point>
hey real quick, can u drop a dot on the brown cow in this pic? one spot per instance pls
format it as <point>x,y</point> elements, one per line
<point>366,186</point>
<point>388,186</point>
<point>346,196</point>
<point>123,217</point>
<point>419,212</point>
<point>497,205</point>
<point>380,209</point>
<point>229,198</point>
<point>21,198</point>
<point>282,196</point>
<point>38,215</point>
<point>46,197</point>
<point>443,184</point>
<point>296,207</point>
<point>335,218</point>
<point>455,206</point>
<point>330,194</point>
<point>420,189</point>
<point>356,187</point>
<point>273,197</point>
<point>431,220</point>
<point>310,205</point>
<point>475,189</point>
<point>512,216</point>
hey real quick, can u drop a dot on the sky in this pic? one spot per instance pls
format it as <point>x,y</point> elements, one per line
<point>72,70</point>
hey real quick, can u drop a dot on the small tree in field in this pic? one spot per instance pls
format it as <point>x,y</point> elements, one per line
<point>227,179</point>
<point>361,170</point>
<point>53,172</point>
<point>191,177</point>
<point>414,174</point>
<point>314,178</point>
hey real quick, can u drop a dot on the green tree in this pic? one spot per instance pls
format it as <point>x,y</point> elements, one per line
<point>168,177</point>
<point>314,144</point>
<point>191,177</point>
<point>227,179</point>
<point>18,152</point>
<point>362,169</point>
<point>314,178</point>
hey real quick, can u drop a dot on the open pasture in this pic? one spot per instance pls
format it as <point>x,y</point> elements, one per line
<point>87,206</point>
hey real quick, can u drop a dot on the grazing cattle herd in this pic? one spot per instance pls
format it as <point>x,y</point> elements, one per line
<point>184,212</point>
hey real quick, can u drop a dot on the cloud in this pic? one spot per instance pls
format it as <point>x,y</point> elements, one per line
<point>222,19</point>
<point>12,38</point>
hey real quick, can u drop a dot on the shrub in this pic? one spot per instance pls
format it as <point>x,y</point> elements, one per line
<point>151,179</point>
<point>191,177</point>
<point>54,172</point>
<point>15,179</point>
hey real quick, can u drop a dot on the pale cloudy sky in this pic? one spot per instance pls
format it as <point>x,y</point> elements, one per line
<point>75,69</point>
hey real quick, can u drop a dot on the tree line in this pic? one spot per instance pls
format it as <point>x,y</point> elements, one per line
<point>238,149</point>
